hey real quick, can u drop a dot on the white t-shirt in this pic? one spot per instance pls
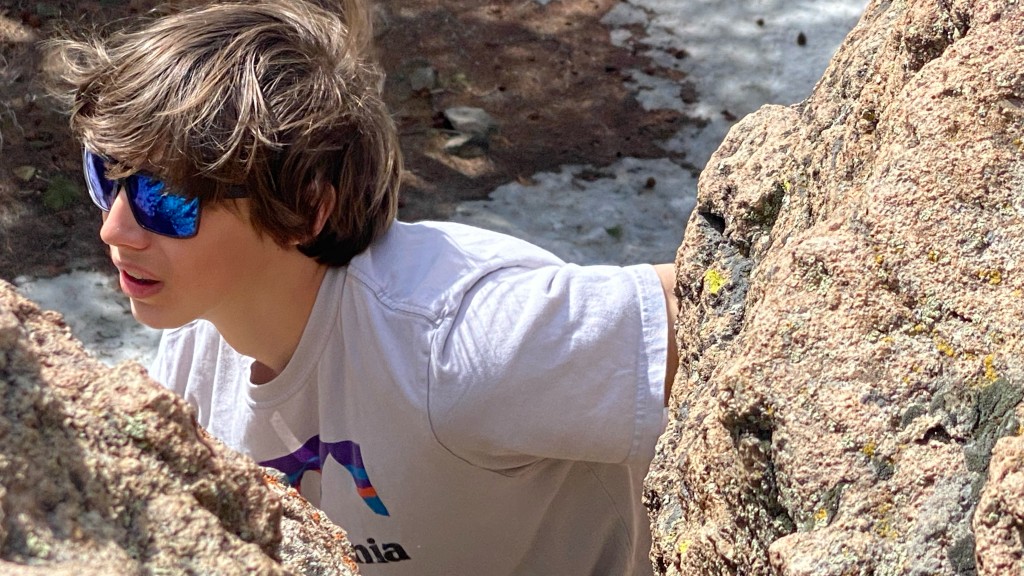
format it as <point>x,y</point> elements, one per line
<point>461,402</point>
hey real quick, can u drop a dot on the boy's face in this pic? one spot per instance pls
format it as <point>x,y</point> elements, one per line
<point>212,275</point>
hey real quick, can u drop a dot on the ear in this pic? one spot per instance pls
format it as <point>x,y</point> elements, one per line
<point>329,195</point>
<point>329,199</point>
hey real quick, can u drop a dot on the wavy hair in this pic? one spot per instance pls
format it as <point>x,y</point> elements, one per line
<point>281,97</point>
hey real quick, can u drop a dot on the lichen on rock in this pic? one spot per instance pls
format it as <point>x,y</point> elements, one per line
<point>839,398</point>
<point>102,471</point>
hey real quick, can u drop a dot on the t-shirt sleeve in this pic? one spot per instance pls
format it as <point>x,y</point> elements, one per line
<point>172,363</point>
<point>563,362</point>
<point>195,362</point>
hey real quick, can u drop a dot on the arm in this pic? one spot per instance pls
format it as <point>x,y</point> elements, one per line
<point>667,274</point>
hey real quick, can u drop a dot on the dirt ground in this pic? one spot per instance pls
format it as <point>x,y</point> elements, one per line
<point>547,74</point>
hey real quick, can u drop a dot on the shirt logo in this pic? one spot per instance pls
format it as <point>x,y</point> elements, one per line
<point>373,553</point>
<point>313,454</point>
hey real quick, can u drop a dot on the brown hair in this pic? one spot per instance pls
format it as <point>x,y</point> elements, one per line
<point>277,96</point>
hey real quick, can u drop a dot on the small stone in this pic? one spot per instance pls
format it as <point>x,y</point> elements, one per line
<point>688,92</point>
<point>467,146</point>
<point>423,78</point>
<point>25,173</point>
<point>468,120</point>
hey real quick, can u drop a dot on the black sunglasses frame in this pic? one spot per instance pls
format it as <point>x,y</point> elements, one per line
<point>94,166</point>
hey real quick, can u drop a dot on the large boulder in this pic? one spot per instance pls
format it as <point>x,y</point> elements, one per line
<point>104,472</point>
<point>850,334</point>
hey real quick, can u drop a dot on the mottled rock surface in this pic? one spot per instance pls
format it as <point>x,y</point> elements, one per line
<point>999,517</point>
<point>852,286</point>
<point>104,472</point>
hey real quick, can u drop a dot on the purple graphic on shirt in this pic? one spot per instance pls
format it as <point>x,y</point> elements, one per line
<point>313,454</point>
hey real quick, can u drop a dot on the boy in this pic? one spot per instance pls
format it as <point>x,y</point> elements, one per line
<point>460,401</point>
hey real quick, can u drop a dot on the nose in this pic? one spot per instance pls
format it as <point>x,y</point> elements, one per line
<point>120,227</point>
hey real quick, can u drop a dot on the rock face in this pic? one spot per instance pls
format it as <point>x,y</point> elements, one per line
<point>852,286</point>
<point>104,472</point>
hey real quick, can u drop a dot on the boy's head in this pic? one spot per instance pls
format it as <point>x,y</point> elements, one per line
<point>276,97</point>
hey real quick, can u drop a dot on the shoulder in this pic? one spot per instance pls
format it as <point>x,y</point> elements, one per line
<point>566,347</point>
<point>429,266</point>
<point>185,350</point>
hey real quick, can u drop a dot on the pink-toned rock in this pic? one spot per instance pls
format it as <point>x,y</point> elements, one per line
<point>104,472</point>
<point>999,517</point>
<point>852,296</point>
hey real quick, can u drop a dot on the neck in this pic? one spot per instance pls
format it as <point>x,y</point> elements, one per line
<point>269,324</point>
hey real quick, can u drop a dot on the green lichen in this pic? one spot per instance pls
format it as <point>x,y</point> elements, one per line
<point>766,211</point>
<point>61,193</point>
<point>134,428</point>
<point>36,546</point>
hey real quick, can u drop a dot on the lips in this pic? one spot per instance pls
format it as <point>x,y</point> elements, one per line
<point>140,280</point>
<point>136,283</point>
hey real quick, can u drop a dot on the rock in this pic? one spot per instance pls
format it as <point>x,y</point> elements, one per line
<point>423,78</point>
<point>473,128</point>
<point>25,173</point>
<point>851,315</point>
<point>999,517</point>
<point>102,471</point>
<point>467,146</point>
<point>472,121</point>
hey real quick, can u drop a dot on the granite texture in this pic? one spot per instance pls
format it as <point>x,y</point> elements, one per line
<point>102,471</point>
<point>851,288</point>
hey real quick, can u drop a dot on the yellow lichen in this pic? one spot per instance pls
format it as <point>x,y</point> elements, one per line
<point>990,369</point>
<point>714,280</point>
<point>683,547</point>
<point>933,256</point>
<point>883,526</point>
<point>821,516</point>
<point>884,529</point>
<point>879,259</point>
<point>868,449</point>
<point>944,347</point>
<point>990,275</point>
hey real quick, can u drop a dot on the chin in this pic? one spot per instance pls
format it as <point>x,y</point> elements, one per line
<point>156,318</point>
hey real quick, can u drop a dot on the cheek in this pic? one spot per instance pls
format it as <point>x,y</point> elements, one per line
<point>226,249</point>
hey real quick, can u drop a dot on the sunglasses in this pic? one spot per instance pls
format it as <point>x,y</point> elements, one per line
<point>156,208</point>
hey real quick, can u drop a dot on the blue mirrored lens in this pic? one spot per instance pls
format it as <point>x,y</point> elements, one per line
<point>160,211</point>
<point>155,208</point>
<point>100,188</point>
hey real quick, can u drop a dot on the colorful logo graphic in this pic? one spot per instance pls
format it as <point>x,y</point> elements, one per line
<point>311,457</point>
